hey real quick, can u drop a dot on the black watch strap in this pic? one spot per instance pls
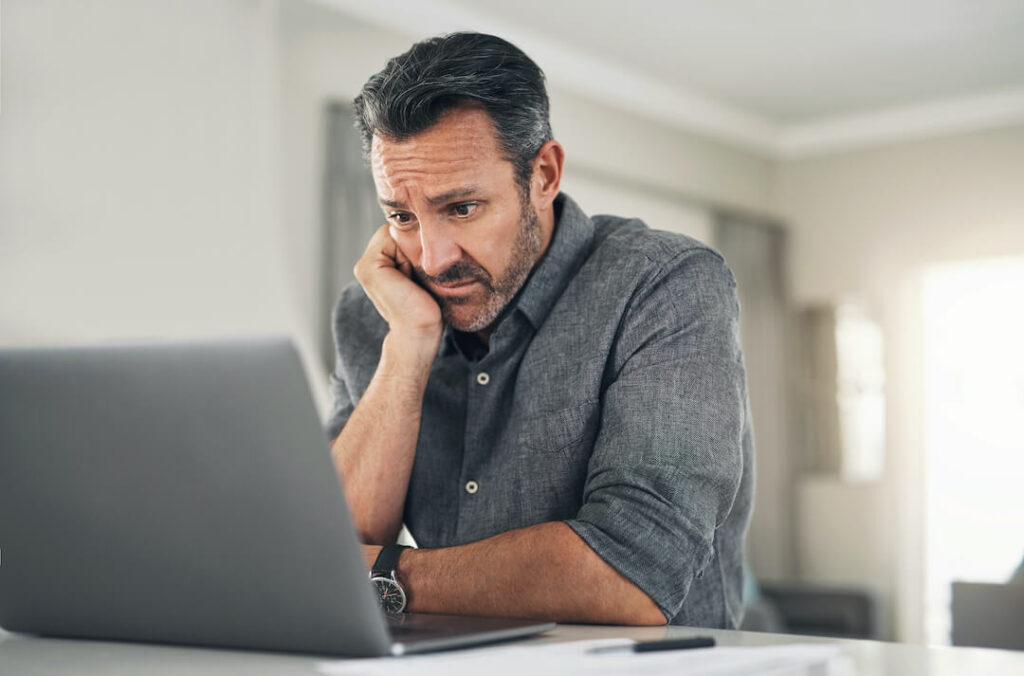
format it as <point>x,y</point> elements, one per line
<point>387,560</point>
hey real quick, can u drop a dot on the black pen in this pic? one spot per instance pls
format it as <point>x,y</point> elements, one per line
<point>654,646</point>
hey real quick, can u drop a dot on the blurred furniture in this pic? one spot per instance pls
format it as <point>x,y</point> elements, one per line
<point>988,615</point>
<point>819,610</point>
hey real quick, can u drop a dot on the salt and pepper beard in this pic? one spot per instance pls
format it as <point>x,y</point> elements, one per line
<point>499,292</point>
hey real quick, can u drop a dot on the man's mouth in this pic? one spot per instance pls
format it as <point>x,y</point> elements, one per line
<point>456,288</point>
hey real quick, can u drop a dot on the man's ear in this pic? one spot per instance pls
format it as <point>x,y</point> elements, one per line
<point>547,174</point>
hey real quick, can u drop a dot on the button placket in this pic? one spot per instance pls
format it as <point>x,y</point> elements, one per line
<point>483,397</point>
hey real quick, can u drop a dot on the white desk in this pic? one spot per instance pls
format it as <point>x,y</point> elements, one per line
<point>26,656</point>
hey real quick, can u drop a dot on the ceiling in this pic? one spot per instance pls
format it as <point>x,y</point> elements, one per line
<point>790,77</point>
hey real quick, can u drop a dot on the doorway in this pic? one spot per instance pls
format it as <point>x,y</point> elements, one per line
<point>974,437</point>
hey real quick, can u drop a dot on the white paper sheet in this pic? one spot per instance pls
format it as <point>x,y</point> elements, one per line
<point>571,658</point>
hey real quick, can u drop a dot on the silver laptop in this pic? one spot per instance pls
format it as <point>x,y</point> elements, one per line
<point>185,494</point>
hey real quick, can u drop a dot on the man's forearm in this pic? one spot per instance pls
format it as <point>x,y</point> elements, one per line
<point>374,452</point>
<point>544,571</point>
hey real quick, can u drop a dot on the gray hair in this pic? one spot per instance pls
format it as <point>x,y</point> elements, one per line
<point>435,75</point>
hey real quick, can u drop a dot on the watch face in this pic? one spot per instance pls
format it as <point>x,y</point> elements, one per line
<point>392,598</point>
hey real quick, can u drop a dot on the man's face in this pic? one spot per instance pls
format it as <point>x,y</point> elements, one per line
<point>455,211</point>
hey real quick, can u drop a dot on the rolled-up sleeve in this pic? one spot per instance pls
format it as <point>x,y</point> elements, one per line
<point>346,344</point>
<point>341,406</point>
<point>668,458</point>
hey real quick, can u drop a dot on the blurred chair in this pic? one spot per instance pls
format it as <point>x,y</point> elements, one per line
<point>823,611</point>
<point>988,615</point>
<point>802,608</point>
<point>797,608</point>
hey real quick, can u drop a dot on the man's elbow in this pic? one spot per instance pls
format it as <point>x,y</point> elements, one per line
<point>642,611</point>
<point>380,535</point>
<point>620,600</point>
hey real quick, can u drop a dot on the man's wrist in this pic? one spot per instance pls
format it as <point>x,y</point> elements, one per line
<point>384,576</point>
<point>409,355</point>
<point>403,572</point>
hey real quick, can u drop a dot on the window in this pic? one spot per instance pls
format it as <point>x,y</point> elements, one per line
<point>974,443</point>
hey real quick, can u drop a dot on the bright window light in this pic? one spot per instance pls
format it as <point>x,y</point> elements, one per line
<point>974,443</point>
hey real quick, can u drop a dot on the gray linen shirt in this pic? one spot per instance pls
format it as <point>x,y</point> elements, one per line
<point>612,397</point>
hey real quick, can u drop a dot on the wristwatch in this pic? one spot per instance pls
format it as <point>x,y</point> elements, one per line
<point>384,578</point>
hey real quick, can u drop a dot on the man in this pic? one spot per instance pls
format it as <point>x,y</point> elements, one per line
<point>555,406</point>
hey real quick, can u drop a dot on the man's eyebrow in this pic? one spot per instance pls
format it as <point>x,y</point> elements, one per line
<point>457,193</point>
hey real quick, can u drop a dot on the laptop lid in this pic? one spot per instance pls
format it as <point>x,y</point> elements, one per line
<point>176,493</point>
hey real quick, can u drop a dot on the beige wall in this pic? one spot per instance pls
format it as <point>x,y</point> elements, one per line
<point>864,225</point>
<point>137,184</point>
<point>599,139</point>
<point>864,216</point>
<point>137,193</point>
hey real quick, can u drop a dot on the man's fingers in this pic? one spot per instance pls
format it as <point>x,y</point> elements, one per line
<point>382,243</point>
<point>386,275</point>
<point>403,262</point>
<point>381,251</point>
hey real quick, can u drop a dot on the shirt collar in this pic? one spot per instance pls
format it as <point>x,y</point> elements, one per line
<point>569,246</point>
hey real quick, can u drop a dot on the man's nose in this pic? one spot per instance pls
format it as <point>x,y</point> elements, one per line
<point>438,250</point>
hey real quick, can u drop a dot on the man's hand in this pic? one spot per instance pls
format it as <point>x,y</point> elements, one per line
<point>374,461</point>
<point>386,275</point>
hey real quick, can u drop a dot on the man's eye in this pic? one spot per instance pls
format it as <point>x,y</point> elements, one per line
<point>465,209</point>
<point>399,218</point>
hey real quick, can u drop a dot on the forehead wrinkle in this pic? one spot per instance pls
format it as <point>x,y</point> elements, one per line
<point>450,155</point>
<point>424,159</point>
<point>436,178</point>
<point>439,144</point>
<point>435,182</point>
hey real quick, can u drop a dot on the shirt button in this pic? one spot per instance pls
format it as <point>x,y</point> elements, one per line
<point>483,378</point>
<point>472,487</point>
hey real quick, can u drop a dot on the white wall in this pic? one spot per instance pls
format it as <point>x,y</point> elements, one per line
<point>136,187</point>
<point>139,177</point>
<point>602,195</point>
<point>859,218</point>
<point>606,141</point>
<point>864,225</point>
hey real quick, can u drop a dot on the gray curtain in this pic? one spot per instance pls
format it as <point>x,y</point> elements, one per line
<point>350,215</point>
<point>755,251</point>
